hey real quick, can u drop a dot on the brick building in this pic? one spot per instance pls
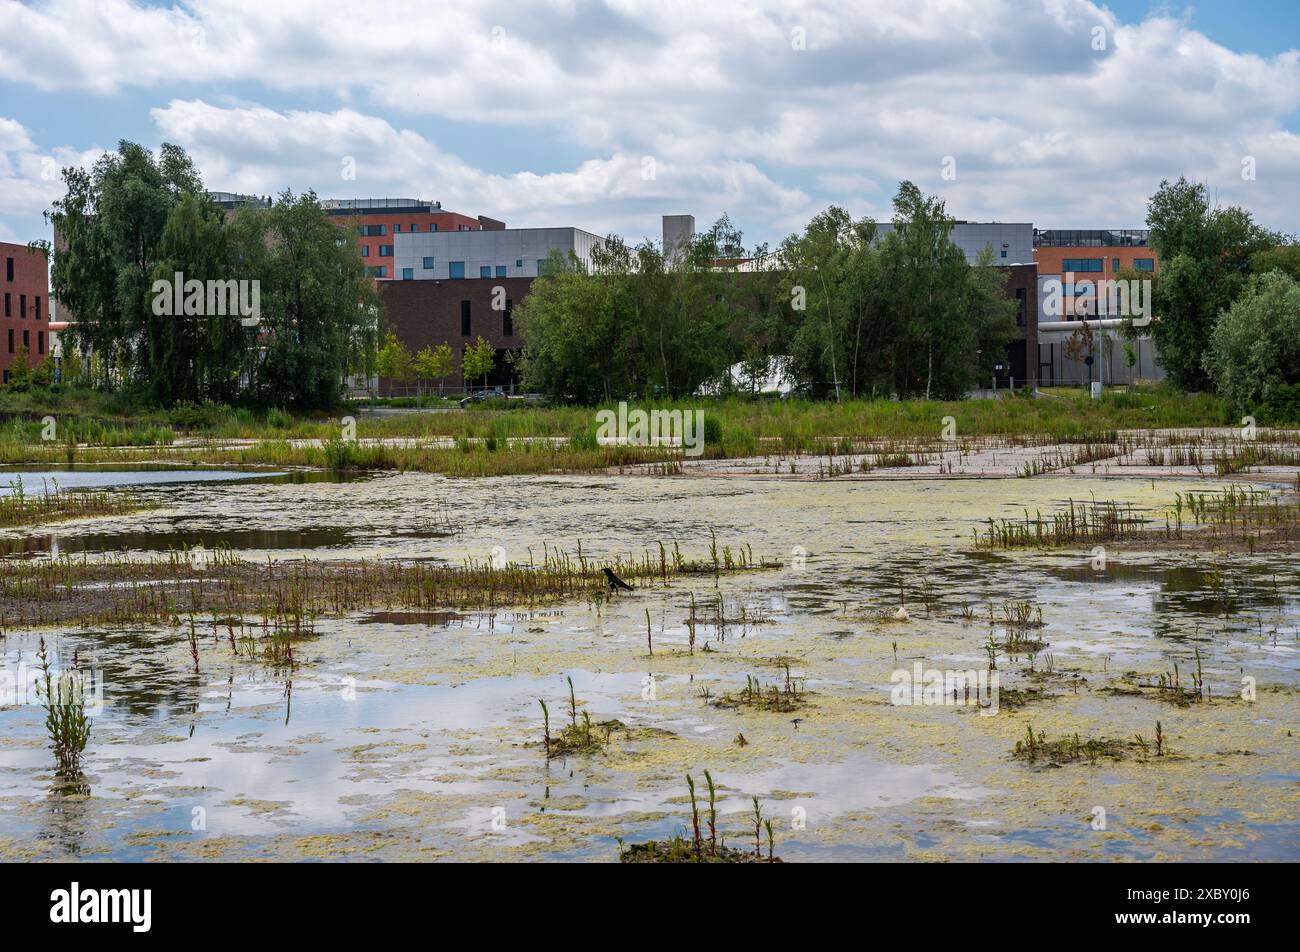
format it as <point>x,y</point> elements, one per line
<point>1074,267</point>
<point>24,321</point>
<point>458,312</point>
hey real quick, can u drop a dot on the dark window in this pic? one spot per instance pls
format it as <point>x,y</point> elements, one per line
<point>1144,264</point>
<point>6,376</point>
<point>11,340</point>
<point>9,269</point>
<point>9,305</point>
<point>397,228</point>
<point>464,318</point>
<point>428,264</point>
<point>385,251</point>
<point>408,274</point>
<point>1081,264</point>
<point>1022,307</point>
<point>373,231</point>
<point>508,319</point>
<point>22,305</point>
<point>27,341</point>
<point>485,271</point>
<point>38,307</point>
<point>501,271</point>
<point>40,342</point>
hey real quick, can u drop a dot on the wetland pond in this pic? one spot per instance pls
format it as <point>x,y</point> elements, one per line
<point>409,735</point>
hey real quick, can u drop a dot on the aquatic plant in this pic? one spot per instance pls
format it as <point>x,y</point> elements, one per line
<point>65,717</point>
<point>695,848</point>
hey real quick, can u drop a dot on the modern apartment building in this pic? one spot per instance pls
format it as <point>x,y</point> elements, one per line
<point>380,222</point>
<point>1076,268</point>
<point>495,253</point>
<point>24,321</point>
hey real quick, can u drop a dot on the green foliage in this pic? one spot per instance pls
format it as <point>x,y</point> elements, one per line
<point>1282,405</point>
<point>1255,345</point>
<point>133,222</point>
<point>905,315</point>
<point>435,363</point>
<point>1205,258</point>
<point>639,324</point>
<point>479,359</point>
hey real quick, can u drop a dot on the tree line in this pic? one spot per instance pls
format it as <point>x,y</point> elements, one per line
<point>133,222</point>
<point>1226,302</point>
<point>845,314</point>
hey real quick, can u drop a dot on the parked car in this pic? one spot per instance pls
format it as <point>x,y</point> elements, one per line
<point>483,396</point>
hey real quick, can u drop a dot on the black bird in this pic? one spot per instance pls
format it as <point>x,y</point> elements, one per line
<point>615,583</point>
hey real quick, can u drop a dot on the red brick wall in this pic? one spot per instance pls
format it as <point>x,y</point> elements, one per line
<point>30,287</point>
<point>426,313</point>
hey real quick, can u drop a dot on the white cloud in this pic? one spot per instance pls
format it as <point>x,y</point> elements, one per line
<point>1042,125</point>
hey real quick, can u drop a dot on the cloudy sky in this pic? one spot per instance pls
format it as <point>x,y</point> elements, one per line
<point>606,115</point>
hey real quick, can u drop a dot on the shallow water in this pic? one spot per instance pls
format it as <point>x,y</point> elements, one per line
<point>418,735</point>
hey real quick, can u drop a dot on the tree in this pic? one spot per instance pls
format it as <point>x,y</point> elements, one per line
<point>319,310</point>
<point>1205,258</point>
<point>110,226</point>
<point>435,363</point>
<point>906,314</point>
<point>133,222</point>
<point>1256,344</point>
<point>20,373</point>
<point>393,360</point>
<point>480,358</point>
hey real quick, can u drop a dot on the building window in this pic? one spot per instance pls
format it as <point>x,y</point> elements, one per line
<point>1144,264</point>
<point>1081,264</point>
<point>385,251</point>
<point>456,269</point>
<point>408,274</point>
<point>433,226</point>
<point>38,307</point>
<point>9,305</point>
<point>519,262</point>
<point>464,318</point>
<point>508,319</point>
<point>501,271</point>
<point>428,264</point>
<point>40,342</point>
<point>11,340</point>
<point>372,231</point>
<point>1004,252</point>
<point>9,269</point>
<point>1022,307</point>
<point>540,262</point>
<point>397,228</point>
<point>1114,264</point>
<point>6,376</point>
<point>415,227</point>
<point>365,251</point>
<point>22,305</point>
<point>27,341</point>
<point>485,271</point>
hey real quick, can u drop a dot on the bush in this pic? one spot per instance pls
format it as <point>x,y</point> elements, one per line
<point>1256,343</point>
<point>1282,406</point>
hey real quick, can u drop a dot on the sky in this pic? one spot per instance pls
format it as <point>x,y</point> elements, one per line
<point>608,115</point>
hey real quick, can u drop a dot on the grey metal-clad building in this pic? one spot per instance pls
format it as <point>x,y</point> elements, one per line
<point>503,253</point>
<point>1012,242</point>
